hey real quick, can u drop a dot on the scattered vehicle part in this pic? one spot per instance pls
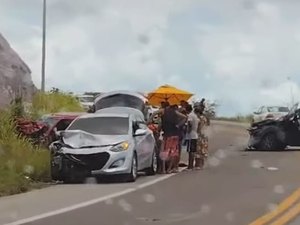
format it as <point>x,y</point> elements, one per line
<point>272,168</point>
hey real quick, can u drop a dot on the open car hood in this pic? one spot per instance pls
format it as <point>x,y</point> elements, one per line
<point>82,139</point>
<point>264,122</point>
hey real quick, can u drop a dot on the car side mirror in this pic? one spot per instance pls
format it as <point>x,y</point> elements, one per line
<point>256,113</point>
<point>139,132</point>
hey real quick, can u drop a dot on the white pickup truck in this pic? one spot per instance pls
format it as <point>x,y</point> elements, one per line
<point>269,112</point>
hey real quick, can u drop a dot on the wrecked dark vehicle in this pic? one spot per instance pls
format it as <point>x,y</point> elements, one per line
<point>276,134</point>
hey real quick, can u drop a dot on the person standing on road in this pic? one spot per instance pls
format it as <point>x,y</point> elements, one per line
<point>171,120</point>
<point>202,105</point>
<point>192,135</point>
<point>202,147</point>
<point>183,128</point>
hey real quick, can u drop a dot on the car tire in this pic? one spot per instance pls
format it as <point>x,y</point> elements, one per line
<point>55,173</point>
<point>55,176</point>
<point>270,142</point>
<point>153,168</point>
<point>131,177</point>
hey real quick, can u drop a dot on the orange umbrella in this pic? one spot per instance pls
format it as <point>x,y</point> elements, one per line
<point>168,93</point>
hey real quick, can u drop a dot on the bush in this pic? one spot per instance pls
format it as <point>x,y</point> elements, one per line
<point>21,163</point>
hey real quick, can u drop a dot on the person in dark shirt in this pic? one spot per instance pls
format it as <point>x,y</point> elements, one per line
<point>170,129</point>
<point>171,120</point>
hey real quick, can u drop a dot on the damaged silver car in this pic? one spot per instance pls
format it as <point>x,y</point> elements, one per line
<point>104,144</point>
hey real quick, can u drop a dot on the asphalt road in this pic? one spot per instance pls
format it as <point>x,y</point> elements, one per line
<point>236,187</point>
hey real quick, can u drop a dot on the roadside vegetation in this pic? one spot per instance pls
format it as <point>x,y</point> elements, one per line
<point>52,102</point>
<point>237,118</point>
<point>23,165</point>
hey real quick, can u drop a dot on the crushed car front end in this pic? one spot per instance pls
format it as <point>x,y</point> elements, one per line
<point>257,132</point>
<point>90,161</point>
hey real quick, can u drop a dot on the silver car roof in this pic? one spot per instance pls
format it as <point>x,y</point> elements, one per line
<point>96,115</point>
<point>120,110</point>
<point>132,93</point>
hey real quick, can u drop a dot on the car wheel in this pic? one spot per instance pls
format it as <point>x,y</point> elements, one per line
<point>153,169</point>
<point>134,170</point>
<point>270,142</point>
<point>55,174</point>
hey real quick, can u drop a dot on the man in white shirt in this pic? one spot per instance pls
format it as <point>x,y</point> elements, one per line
<point>192,135</point>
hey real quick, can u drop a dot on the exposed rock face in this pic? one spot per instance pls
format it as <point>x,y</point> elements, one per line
<point>15,75</point>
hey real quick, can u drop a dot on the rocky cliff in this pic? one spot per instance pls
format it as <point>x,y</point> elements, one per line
<point>15,75</point>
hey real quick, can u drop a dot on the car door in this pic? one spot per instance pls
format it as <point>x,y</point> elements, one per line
<point>297,131</point>
<point>144,144</point>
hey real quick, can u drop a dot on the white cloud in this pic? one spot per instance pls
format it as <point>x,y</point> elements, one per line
<point>239,52</point>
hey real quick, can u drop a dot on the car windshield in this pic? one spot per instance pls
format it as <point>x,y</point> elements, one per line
<point>278,109</point>
<point>102,125</point>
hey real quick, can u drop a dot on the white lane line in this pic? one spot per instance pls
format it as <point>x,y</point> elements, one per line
<point>88,203</point>
<point>151,182</point>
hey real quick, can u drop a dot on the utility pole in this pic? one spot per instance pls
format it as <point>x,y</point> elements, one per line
<point>44,47</point>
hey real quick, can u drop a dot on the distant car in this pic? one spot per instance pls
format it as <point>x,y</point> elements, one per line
<point>276,134</point>
<point>104,143</point>
<point>269,112</point>
<point>86,101</point>
<point>57,122</point>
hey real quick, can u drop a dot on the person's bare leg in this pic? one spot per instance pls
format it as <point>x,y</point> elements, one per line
<point>163,166</point>
<point>178,157</point>
<point>197,162</point>
<point>201,162</point>
<point>176,165</point>
<point>171,164</point>
<point>191,160</point>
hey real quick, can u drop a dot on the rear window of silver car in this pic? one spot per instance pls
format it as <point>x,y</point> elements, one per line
<point>102,125</point>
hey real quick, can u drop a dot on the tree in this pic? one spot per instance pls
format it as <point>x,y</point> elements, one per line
<point>55,90</point>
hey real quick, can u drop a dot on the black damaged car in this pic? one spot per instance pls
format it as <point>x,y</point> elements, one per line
<point>276,134</point>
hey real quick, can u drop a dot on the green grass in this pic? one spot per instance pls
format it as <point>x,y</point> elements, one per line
<point>22,165</point>
<point>52,102</point>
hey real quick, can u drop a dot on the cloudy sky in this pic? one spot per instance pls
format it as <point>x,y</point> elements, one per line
<point>242,53</point>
